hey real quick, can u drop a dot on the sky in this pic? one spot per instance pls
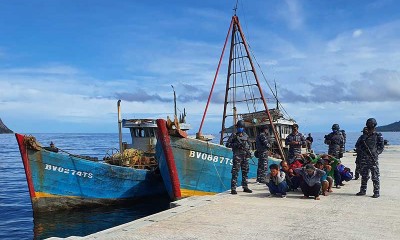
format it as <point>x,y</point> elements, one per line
<point>64,64</point>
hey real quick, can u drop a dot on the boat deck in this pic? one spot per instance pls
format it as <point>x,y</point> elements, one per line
<point>255,216</point>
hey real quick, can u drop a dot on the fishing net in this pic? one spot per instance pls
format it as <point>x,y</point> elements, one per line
<point>131,158</point>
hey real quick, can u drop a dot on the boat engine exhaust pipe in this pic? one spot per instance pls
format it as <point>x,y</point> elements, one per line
<point>119,125</point>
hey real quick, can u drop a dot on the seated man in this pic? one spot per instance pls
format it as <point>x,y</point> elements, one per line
<point>328,169</point>
<point>324,179</point>
<point>331,170</point>
<point>276,181</point>
<point>292,180</point>
<point>311,184</point>
<point>337,174</point>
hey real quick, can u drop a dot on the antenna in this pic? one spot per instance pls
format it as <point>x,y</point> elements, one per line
<point>235,8</point>
<point>174,101</point>
<point>276,96</point>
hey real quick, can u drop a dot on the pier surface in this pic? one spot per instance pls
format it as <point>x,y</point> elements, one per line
<point>342,215</point>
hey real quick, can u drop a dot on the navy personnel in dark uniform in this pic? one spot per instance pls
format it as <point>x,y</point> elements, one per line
<point>309,141</point>
<point>359,154</point>
<point>370,145</point>
<point>344,140</point>
<point>335,142</point>
<point>295,141</point>
<point>263,145</point>
<point>239,142</point>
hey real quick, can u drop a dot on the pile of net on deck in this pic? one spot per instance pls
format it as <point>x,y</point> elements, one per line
<point>131,158</point>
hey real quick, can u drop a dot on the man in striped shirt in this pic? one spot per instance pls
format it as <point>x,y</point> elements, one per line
<point>295,141</point>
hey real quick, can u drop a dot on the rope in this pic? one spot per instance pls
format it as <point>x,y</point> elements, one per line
<point>269,86</point>
<point>31,143</point>
<point>202,168</point>
<point>216,170</point>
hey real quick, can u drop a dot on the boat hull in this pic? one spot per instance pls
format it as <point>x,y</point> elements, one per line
<point>60,181</point>
<point>198,167</point>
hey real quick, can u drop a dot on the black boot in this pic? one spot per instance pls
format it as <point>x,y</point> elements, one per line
<point>361,193</point>
<point>233,191</point>
<point>247,190</point>
<point>376,195</point>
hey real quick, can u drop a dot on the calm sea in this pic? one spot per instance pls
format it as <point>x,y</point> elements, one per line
<point>16,219</point>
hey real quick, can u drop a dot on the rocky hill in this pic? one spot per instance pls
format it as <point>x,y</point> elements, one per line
<point>4,128</point>
<point>393,127</point>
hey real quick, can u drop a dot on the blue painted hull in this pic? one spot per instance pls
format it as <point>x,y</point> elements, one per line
<point>59,181</point>
<point>202,167</point>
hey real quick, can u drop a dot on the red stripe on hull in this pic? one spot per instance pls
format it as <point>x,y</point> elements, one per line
<point>163,136</point>
<point>24,155</point>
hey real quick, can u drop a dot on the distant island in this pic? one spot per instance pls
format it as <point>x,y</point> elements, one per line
<point>4,128</point>
<point>393,127</point>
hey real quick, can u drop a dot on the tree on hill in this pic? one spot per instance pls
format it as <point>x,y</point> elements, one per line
<point>4,128</point>
<point>393,127</point>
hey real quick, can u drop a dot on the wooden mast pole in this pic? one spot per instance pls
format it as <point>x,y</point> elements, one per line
<point>198,134</point>
<point>221,140</point>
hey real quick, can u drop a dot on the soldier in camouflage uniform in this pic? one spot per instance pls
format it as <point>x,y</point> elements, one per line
<point>344,140</point>
<point>263,145</point>
<point>335,142</point>
<point>370,145</point>
<point>241,153</point>
<point>359,154</point>
<point>295,141</point>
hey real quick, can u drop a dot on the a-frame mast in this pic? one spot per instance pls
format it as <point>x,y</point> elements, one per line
<point>235,27</point>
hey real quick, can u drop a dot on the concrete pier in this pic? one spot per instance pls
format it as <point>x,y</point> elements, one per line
<point>341,215</point>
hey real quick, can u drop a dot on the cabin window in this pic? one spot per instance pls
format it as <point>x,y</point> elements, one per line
<point>139,132</point>
<point>143,132</point>
<point>149,132</point>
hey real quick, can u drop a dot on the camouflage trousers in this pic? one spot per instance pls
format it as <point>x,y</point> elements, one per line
<point>365,169</point>
<point>357,170</point>
<point>262,168</point>
<point>239,162</point>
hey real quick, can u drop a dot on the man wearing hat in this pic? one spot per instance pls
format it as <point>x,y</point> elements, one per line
<point>370,145</point>
<point>359,153</point>
<point>239,142</point>
<point>263,145</point>
<point>335,142</point>
<point>295,141</point>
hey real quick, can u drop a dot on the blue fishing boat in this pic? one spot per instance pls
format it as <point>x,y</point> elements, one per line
<point>60,180</point>
<point>192,166</point>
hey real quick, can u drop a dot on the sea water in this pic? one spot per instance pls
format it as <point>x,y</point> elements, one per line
<point>16,217</point>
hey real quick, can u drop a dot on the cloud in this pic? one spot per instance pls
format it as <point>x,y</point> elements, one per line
<point>191,93</point>
<point>357,33</point>
<point>379,85</point>
<point>49,69</point>
<point>141,95</point>
<point>293,14</point>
